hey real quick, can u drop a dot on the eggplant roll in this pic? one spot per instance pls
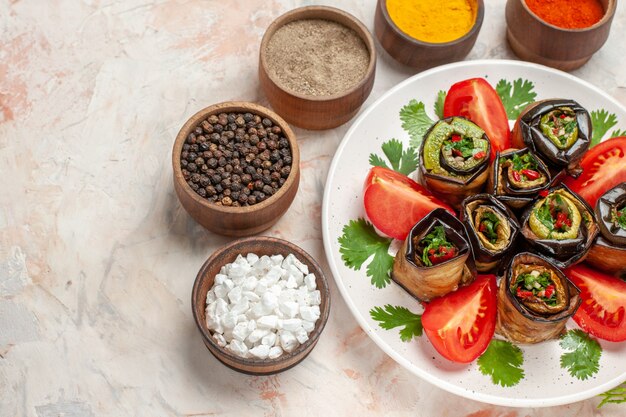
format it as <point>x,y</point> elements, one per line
<point>535,299</point>
<point>608,253</point>
<point>517,176</point>
<point>557,130</point>
<point>491,228</point>
<point>560,225</point>
<point>454,157</point>
<point>436,257</point>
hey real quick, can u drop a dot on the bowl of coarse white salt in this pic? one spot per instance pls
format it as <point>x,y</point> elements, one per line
<point>260,304</point>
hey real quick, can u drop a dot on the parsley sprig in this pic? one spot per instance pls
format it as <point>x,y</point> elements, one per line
<point>601,122</point>
<point>390,317</point>
<point>583,358</point>
<point>441,99</point>
<point>415,121</point>
<point>358,243</point>
<point>516,96</point>
<point>503,362</point>
<point>615,396</point>
<point>402,161</point>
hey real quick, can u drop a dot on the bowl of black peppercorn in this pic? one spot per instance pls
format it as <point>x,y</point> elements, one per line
<point>236,168</point>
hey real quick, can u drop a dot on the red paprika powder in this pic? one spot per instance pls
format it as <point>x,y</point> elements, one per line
<point>568,14</point>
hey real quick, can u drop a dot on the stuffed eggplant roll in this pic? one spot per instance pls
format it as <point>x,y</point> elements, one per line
<point>535,299</point>
<point>517,176</point>
<point>454,159</point>
<point>560,225</point>
<point>557,130</point>
<point>492,229</point>
<point>608,253</point>
<point>435,258</point>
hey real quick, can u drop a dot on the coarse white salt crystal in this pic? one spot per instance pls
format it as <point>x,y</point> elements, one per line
<point>287,341</point>
<point>302,296</point>
<point>282,283</point>
<point>288,294</point>
<point>240,332</point>
<point>310,283</point>
<point>269,339</point>
<point>258,310</point>
<point>214,323</point>
<point>273,275</point>
<point>229,284</point>
<point>210,296</point>
<point>241,307</point>
<point>315,298</point>
<point>220,291</point>
<point>261,286</point>
<point>221,306</point>
<point>239,271</point>
<point>238,348</point>
<point>289,308</point>
<point>291,282</point>
<point>276,289</point>
<point>310,313</point>
<point>288,260</point>
<point>277,259</point>
<point>296,274</point>
<point>234,295</point>
<point>267,322</point>
<point>291,324</point>
<point>210,309</point>
<point>252,258</point>
<point>241,261</point>
<point>308,325</point>
<point>275,352</point>
<point>270,300</point>
<point>229,320</point>
<point>260,351</point>
<point>250,283</point>
<point>301,335</point>
<point>220,278</point>
<point>219,339</point>
<point>257,335</point>
<point>251,296</point>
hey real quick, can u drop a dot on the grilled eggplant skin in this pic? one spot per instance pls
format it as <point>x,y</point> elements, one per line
<point>519,324</point>
<point>565,252</point>
<point>489,256</point>
<point>428,282</point>
<point>499,184</point>
<point>608,253</point>
<point>448,186</point>
<point>528,133</point>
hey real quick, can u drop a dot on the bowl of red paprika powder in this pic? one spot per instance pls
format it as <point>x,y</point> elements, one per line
<point>563,34</point>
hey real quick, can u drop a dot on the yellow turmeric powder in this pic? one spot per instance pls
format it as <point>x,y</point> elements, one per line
<point>434,21</point>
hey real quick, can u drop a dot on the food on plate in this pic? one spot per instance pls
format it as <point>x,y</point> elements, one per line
<point>560,225</point>
<point>476,100</point>
<point>603,309</point>
<point>261,307</point>
<point>517,176</point>
<point>491,228</point>
<point>394,202</point>
<point>435,258</point>
<point>608,253</point>
<point>454,157</point>
<point>557,130</point>
<point>461,324</point>
<point>604,167</point>
<point>535,299</point>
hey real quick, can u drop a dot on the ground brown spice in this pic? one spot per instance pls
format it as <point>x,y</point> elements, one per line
<point>316,57</point>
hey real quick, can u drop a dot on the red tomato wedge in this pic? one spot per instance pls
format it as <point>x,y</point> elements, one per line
<point>476,100</point>
<point>604,166</point>
<point>394,202</point>
<point>460,325</point>
<point>602,311</point>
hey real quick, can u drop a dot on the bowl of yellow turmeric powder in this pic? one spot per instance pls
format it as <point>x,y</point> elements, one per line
<point>426,33</point>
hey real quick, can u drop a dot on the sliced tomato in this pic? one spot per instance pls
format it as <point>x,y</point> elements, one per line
<point>476,100</point>
<point>460,325</point>
<point>602,311</point>
<point>604,166</point>
<point>394,202</point>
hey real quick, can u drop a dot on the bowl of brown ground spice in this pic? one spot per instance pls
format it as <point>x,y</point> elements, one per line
<point>317,66</point>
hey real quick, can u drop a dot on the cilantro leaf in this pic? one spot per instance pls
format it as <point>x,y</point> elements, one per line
<point>584,358</point>
<point>441,98</point>
<point>616,396</point>
<point>358,243</point>
<point>601,122</point>
<point>391,317</point>
<point>401,161</point>
<point>618,132</point>
<point>415,121</point>
<point>503,362</point>
<point>515,97</point>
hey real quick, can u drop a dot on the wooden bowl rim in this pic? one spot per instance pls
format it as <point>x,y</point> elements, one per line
<point>304,13</point>
<point>239,107</point>
<point>608,14</point>
<point>478,22</point>
<point>240,246</point>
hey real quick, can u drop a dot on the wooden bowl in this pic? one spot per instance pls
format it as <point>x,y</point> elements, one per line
<point>317,112</point>
<point>532,39</point>
<point>419,54</point>
<point>204,281</point>
<point>236,221</point>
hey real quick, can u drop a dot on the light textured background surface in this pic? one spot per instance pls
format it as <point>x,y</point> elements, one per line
<point>97,257</point>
